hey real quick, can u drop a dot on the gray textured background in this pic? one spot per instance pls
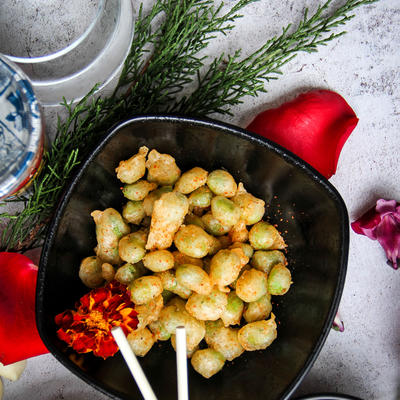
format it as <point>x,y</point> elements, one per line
<point>364,67</point>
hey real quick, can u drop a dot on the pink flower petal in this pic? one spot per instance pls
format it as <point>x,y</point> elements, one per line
<point>367,224</point>
<point>384,207</point>
<point>382,223</point>
<point>338,324</point>
<point>388,234</point>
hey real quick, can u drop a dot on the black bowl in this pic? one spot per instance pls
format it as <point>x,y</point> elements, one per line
<point>307,209</point>
<point>327,396</point>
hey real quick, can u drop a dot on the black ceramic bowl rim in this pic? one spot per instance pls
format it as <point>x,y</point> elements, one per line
<point>232,130</point>
<point>327,396</point>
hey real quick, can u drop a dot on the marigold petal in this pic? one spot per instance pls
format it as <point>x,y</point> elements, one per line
<point>99,295</point>
<point>98,311</point>
<point>106,347</point>
<point>65,336</point>
<point>83,344</point>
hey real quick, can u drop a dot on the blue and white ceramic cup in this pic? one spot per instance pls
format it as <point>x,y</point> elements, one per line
<point>21,131</point>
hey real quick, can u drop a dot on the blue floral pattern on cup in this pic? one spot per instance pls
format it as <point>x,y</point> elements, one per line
<point>20,127</point>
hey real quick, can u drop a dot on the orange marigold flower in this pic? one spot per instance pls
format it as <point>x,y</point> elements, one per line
<point>89,327</point>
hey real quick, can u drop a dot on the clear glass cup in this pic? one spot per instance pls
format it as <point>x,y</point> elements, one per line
<point>66,47</point>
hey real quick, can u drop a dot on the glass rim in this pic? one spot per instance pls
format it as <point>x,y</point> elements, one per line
<point>123,33</point>
<point>63,51</point>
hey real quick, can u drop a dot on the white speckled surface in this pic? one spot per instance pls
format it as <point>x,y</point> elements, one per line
<point>364,67</point>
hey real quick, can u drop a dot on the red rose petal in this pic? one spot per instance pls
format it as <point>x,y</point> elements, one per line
<point>19,338</point>
<point>315,126</point>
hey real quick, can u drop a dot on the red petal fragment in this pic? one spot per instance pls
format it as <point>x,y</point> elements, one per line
<point>382,223</point>
<point>315,126</point>
<point>367,224</point>
<point>19,338</point>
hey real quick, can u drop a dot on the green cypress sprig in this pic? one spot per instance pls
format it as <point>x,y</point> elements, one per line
<point>231,77</point>
<point>165,59</point>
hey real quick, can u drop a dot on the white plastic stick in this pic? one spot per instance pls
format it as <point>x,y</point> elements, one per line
<point>133,364</point>
<point>181,363</point>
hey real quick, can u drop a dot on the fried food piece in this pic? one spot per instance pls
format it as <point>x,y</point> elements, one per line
<point>168,214</point>
<point>264,260</point>
<point>251,285</point>
<point>207,307</point>
<point>162,168</point>
<point>193,241</point>
<point>279,280</point>
<point>139,190</point>
<point>170,283</point>
<point>201,197</point>
<point>191,180</point>
<point>252,209</point>
<point>222,183</point>
<point>107,272</point>
<point>131,249</point>
<point>213,226</point>
<point>149,312</point>
<point>159,331</point>
<point>225,341</point>
<point>159,260</point>
<point>141,341</point>
<point>194,278</point>
<point>264,236</point>
<point>246,248</point>
<point>181,258</point>
<point>174,315</point>
<point>189,353</point>
<point>110,227</point>
<point>225,211</point>
<point>225,268</point>
<point>133,212</point>
<point>130,171</point>
<point>90,272</point>
<point>239,232</point>
<point>129,272</point>
<point>193,219</point>
<point>233,311</point>
<point>149,200</point>
<point>145,289</point>
<point>259,309</point>
<point>258,335</point>
<point>207,362</point>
